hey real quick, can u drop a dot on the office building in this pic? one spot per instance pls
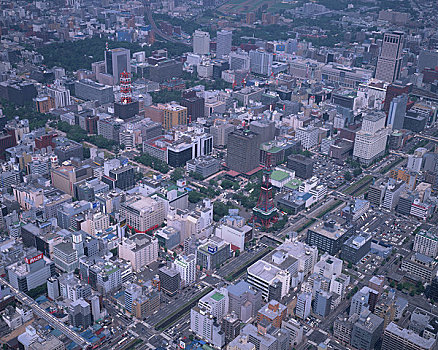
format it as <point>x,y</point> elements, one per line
<point>201,42</point>
<point>223,43</point>
<point>426,243</point>
<point>213,253</point>
<point>195,107</point>
<point>80,314</point>
<point>261,62</point>
<point>234,231</point>
<point>109,128</point>
<point>397,112</point>
<point>204,166</point>
<point>367,330</point>
<point>370,141</point>
<point>53,288</point>
<point>117,61</point>
<point>73,288</point>
<point>390,58</point>
<point>66,149</point>
<point>230,327</point>
<point>360,301</point>
<point>216,303</point>
<point>220,133</point>
<point>308,136</point>
<point>427,59</point>
<point>396,337</point>
<point>173,115</point>
<point>265,128</point>
<point>322,303</point>
<point>419,267</point>
<point>65,257</point>
<point>273,313</point>
<point>121,177</point>
<point>338,75</point>
<point>239,60</point>
<point>356,247</point>
<point>32,273</point>
<point>243,151</point>
<point>87,89</point>
<point>186,266</point>
<point>244,300</point>
<point>267,337</point>
<point>282,269</point>
<point>60,95</point>
<point>170,280</point>
<point>328,236</point>
<point>140,250</point>
<point>143,213</point>
<point>205,326</point>
<point>302,165</point>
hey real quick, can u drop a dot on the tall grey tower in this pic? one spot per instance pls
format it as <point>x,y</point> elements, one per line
<point>390,58</point>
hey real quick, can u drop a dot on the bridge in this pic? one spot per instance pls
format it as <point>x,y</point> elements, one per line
<point>52,320</point>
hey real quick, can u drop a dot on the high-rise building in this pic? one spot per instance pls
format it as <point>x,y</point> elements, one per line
<point>173,115</point>
<point>80,314</point>
<point>366,331</point>
<point>273,312</point>
<point>216,303</point>
<point>117,61</point>
<point>302,165</point>
<point>308,136</point>
<point>170,280</point>
<point>239,60</point>
<point>53,288</point>
<point>397,112</point>
<point>230,327</point>
<point>186,266</point>
<point>370,141</point>
<point>245,300</point>
<point>427,59</point>
<point>390,58</point>
<point>143,213</point>
<point>32,273</point>
<point>204,325</point>
<point>243,153</point>
<point>201,42</point>
<point>426,243</point>
<point>223,43</point>
<point>140,250</point>
<point>396,338</point>
<point>261,62</point>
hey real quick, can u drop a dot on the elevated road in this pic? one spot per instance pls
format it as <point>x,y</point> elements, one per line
<point>52,320</point>
<point>158,32</point>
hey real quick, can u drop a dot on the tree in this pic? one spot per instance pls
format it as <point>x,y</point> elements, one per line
<point>237,253</point>
<point>226,184</point>
<point>357,171</point>
<point>347,176</point>
<point>177,174</point>
<point>195,197</point>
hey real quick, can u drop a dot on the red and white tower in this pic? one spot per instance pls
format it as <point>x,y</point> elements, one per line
<point>125,88</point>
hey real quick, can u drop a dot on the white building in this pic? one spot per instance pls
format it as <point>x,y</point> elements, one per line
<point>426,243</point>
<point>60,94</point>
<point>140,250</point>
<point>370,142</point>
<point>308,136</point>
<point>234,231</point>
<point>304,305</point>
<point>328,266</point>
<point>186,266</point>
<point>261,62</point>
<point>216,303</point>
<point>201,42</point>
<point>239,60</point>
<point>204,325</point>
<point>223,44</point>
